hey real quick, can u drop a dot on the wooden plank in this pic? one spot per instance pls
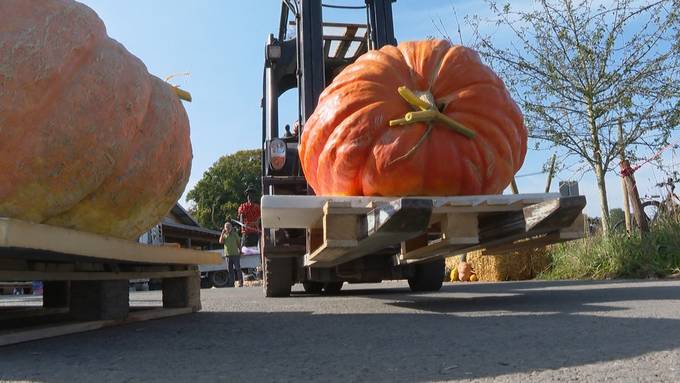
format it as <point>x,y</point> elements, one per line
<point>51,239</point>
<point>88,276</point>
<point>50,331</point>
<point>20,312</point>
<point>386,225</point>
<point>460,228</point>
<point>413,244</point>
<point>502,231</point>
<point>576,230</point>
<point>572,232</point>
<point>16,284</point>
<point>291,212</point>
<point>345,42</point>
<point>434,250</point>
<point>340,225</point>
<point>555,214</point>
<point>525,244</point>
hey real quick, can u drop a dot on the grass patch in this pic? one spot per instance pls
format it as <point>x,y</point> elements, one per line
<point>656,254</point>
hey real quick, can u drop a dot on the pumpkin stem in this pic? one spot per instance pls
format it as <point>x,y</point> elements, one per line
<point>428,112</point>
<point>182,94</point>
<point>412,99</point>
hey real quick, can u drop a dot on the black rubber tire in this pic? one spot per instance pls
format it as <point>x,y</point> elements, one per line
<point>657,211</point>
<point>278,277</point>
<point>428,276</point>
<point>332,288</point>
<point>219,279</point>
<point>312,287</point>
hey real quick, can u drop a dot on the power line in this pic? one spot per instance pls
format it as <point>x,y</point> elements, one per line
<point>530,174</point>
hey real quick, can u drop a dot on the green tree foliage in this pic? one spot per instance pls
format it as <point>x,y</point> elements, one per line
<point>616,215</point>
<point>222,189</point>
<point>579,68</point>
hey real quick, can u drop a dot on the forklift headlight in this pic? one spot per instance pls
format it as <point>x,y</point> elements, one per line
<point>277,154</point>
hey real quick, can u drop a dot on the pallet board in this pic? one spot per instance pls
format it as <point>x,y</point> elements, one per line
<point>301,212</point>
<point>66,328</point>
<point>422,228</point>
<point>86,279</point>
<point>31,240</point>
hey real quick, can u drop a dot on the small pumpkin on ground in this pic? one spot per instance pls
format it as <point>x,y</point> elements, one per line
<point>88,138</point>
<point>464,271</point>
<point>422,118</point>
<point>454,275</point>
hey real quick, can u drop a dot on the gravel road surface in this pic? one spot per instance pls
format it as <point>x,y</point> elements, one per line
<point>504,332</point>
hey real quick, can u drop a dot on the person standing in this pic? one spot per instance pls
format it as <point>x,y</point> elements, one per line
<point>249,216</point>
<point>232,250</point>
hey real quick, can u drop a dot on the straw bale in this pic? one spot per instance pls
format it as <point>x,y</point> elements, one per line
<point>511,266</point>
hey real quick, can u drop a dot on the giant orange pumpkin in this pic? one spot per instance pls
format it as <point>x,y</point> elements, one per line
<point>349,148</point>
<point>88,138</point>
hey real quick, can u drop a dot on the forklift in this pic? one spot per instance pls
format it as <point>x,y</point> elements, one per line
<point>309,61</point>
<point>324,241</point>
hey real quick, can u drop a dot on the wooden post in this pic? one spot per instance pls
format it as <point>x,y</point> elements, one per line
<point>626,198</point>
<point>182,292</point>
<point>97,300</point>
<point>55,294</point>
<point>640,218</point>
<point>551,173</point>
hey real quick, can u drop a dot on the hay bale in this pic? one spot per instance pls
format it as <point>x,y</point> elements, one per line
<point>512,266</point>
<point>451,263</point>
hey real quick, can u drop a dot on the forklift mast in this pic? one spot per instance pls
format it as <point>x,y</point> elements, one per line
<point>309,61</point>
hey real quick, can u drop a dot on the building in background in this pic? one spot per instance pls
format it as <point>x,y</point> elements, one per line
<point>179,227</point>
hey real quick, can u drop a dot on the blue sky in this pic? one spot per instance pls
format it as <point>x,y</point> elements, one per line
<point>221,43</point>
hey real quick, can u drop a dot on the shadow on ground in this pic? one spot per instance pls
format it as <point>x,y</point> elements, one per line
<point>534,327</point>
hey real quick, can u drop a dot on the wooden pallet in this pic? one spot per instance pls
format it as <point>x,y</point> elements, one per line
<point>86,279</point>
<point>341,229</point>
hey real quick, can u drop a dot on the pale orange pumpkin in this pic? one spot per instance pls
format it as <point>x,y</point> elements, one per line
<point>349,148</point>
<point>88,138</point>
<point>465,271</point>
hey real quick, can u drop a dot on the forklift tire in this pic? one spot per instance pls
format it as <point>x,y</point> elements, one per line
<point>278,277</point>
<point>219,279</point>
<point>332,288</point>
<point>428,276</point>
<point>312,287</point>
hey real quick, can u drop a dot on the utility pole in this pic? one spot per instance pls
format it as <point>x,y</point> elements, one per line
<point>551,173</point>
<point>626,198</point>
<point>513,186</point>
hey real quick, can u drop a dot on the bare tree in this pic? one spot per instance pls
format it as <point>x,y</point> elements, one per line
<point>577,69</point>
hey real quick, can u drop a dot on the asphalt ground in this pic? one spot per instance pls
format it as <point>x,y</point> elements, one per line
<point>505,332</point>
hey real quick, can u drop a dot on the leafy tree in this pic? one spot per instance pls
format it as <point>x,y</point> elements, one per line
<point>222,189</point>
<point>579,70</point>
<point>616,215</point>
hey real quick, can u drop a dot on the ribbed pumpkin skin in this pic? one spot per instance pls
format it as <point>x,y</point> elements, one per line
<point>88,138</point>
<point>348,147</point>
